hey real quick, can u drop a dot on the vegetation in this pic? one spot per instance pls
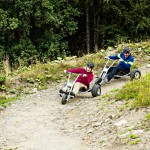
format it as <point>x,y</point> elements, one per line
<point>148,116</point>
<point>133,136</point>
<point>136,92</point>
<point>38,76</point>
<point>4,100</point>
<point>133,142</point>
<point>33,31</point>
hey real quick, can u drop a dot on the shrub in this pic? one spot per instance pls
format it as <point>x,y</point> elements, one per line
<point>2,79</point>
<point>138,91</point>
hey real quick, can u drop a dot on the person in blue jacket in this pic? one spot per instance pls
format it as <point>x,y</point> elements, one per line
<point>125,62</point>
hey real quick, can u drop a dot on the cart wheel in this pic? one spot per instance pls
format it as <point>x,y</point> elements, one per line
<point>96,90</point>
<point>98,80</point>
<point>64,97</point>
<point>135,74</point>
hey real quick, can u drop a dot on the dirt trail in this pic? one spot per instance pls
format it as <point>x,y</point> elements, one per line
<point>29,124</point>
<point>40,122</point>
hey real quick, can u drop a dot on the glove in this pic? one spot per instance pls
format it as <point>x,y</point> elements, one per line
<point>84,75</point>
<point>65,71</point>
<point>107,57</point>
<point>120,60</point>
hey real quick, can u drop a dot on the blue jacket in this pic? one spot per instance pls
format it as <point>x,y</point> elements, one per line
<point>126,63</point>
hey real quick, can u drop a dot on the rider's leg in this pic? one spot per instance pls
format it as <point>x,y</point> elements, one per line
<point>112,73</point>
<point>125,71</point>
<point>77,86</point>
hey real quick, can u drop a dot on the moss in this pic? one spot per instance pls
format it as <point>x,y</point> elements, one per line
<point>101,142</point>
<point>125,141</point>
<point>148,116</point>
<point>121,108</point>
<point>3,88</point>
<point>135,142</point>
<point>133,136</point>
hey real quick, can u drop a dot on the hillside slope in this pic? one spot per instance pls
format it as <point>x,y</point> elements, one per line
<point>40,122</point>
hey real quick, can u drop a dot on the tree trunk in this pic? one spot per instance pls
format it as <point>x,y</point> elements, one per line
<point>87,29</point>
<point>96,34</point>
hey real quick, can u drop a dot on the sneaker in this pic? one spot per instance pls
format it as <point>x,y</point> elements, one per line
<point>106,80</point>
<point>61,91</point>
<point>72,94</point>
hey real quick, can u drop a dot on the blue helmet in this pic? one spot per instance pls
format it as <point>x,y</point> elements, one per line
<point>126,50</point>
<point>90,65</point>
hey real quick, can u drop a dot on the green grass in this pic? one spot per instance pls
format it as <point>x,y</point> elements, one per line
<point>2,79</point>
<point>148,116</point>
<point>133,136</point>
<point>40,76</point>
<point>4,100</point>
<point>53,71</point>
<point>135,142</point>
<point>137,91</point>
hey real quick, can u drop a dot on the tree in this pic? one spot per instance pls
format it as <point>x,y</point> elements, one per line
<point>36,29</point>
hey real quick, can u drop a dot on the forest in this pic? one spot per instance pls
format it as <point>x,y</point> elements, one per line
<point>44,30</point>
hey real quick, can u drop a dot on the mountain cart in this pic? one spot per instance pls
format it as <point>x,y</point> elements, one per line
<point>133,74</point>
<point>66,92</point>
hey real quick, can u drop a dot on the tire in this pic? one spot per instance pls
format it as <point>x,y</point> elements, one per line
<point>98,81</point>
<point>96,90</point>
<point>135,74</point>
<point>64,96</point>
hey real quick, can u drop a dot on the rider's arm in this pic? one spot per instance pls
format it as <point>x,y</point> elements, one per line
<point>77,70</point>
<point>113,57</point>
<point>128,64</point>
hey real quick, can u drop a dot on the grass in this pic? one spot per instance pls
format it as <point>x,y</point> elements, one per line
<point>135,142</point>
<point>148,116</point>
<point>4,100</point>
<point>133,136</point>
<point>137,92</point>
<point>53,71</point>
<point>40,76</point>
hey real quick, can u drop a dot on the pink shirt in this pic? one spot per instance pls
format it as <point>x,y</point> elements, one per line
<point>84,80</point>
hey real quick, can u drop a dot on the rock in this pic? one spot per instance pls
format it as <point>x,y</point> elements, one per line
<point>89,131</point>
<point>112,116</point>
<point>104,144</point>
<point>137,131</point>
<point>124,135</point>
<point>148,66</point>
<point>110,48</point>
<point>96,124</point>
<point>86,125</point>
<point>34,90</point>
<point>2,108</point>
<point>70,58</point>
<point>94,120</point>
<point>107,120</point>
<point>148,148</point>
<point>131,132</point>
<point>121,122</point>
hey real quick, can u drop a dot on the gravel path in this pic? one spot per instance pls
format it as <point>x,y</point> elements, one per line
<point>40,122</point>
<point>30,124</point>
